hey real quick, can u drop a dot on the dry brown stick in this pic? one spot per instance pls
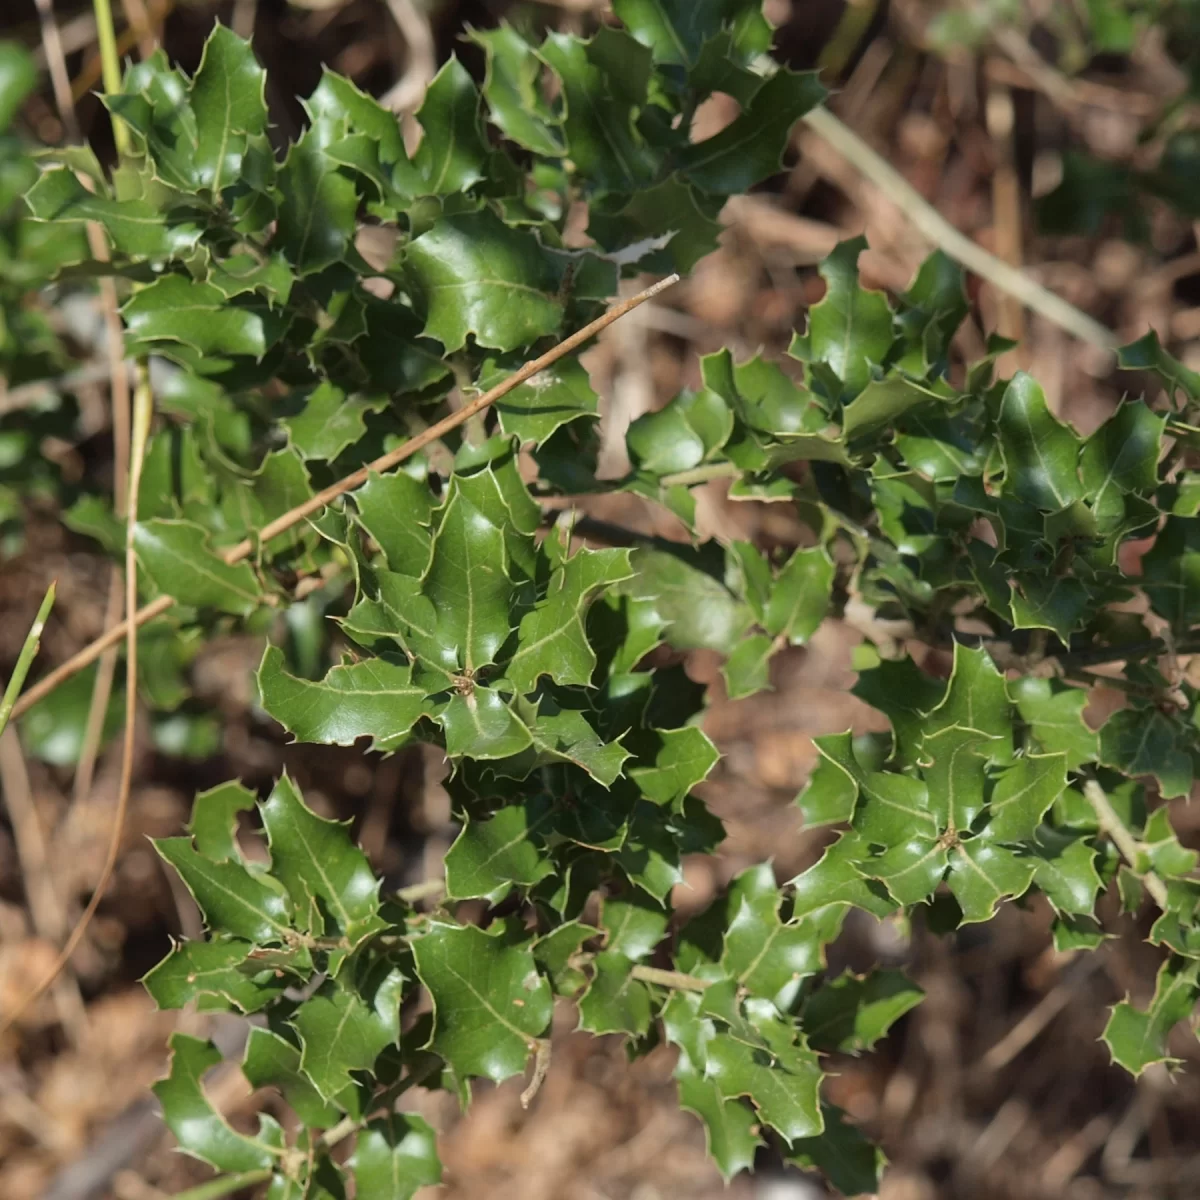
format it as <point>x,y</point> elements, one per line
<point>355,479</point>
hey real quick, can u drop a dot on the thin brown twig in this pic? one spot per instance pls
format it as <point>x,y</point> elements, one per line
<point>56,64</point>
<point>355,479</point>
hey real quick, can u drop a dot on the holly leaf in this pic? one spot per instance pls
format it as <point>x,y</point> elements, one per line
<point>1171,572</point>
<point>852,1012</point>
<point>330,421</point>
<point>321,868</point>
<point>1145,741</point>
<point>215,820</point>
<point>397,510</point>
<point>615,1002</point>
<point>750,148</point>
<point>849,329</point>
<point>849,1160</point>
<point>453,152</point>
<point>232,900</point>
<point>490,1003</point>
<point>748,668</point>
<point>272,1061</point>
<point>374,698</point>
<point>551,639</point>
<point>395,1156</point>
<point>1041,454</point>
<point>1054,714</point>
<point>554,397</point>
<point>178,561</point>
<point>197,1126</point>
<point>511,88</point>
<point>317,201</point>
<point>800,596</point>
<point>228,100</point>
<point>489,858</point>
<point>677,30</point>
<point>345,1025</point>
<point>682,758</point>
<point>1137,1038</point>
<point>982,873</point>
<point>217,975</point>
<point>1023,794</point>
<point>1064,870</point>
<point>474,275</point>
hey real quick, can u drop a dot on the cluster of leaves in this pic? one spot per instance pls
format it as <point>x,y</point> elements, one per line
<point>434,605</point>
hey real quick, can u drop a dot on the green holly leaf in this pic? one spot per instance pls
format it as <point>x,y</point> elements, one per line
<point>850,329</point>
<point>554,397</point>
<point>731,1130</point>
<point>217,975</point>
<point>748,668</point>
<point>1171,572</point>
<point>472,274</point>
<point>1145,741</point>
<point>175,309</point>
<point>228,100</point>
<point>910,870</point>
<point>852,1012</point>
<point>1160,850</point>
<point>1147,354</point>
<point>681,435</point>
<point>318,201</point>
<point>836,879</point>
<point>831,792</point>
<point>682,758</point>
<point>272,1061</point>
<point>490,1003</point>
<point>566,735</point>
<point>556,953</point>
<point>397,510</point>
<point>1023,794</point>
<point>890,808</point>
<point>374,698</point>
<point>215,820</point>
<point>849,1160</point>
<point>677,30</point>
<point>323,871</point>
<point>1064,869</point>
<point>393,1157</point>
<point>231,899</point>
<point>511,87</point>
<point>634,925</point>
<point>982,873</point>
<point>491,857</point>
<point>1137,1038</point>
<point>1121,457</point>
<point>614,1002</point>
<point>800,596</point>
<point>136,227</point>
<point>751,147</point>
<point>598,117</point>
<point>699,610</point>
<point>345,1025</point>
<point>453,152</point>
<point>551,639</point>
<point>1054,714</point>
<point>199,1129</point>
<point>330,421</point>
<point>781,1078</point>
<point>1041,454</point>
<point>768,957</point>
<point>904,693</point>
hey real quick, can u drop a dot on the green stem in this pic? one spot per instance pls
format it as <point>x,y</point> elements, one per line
<point>1123,839</point>
<point>25,658</point>
<point>110,67</point>
<point>669,979</point>
<point>214,1189</point>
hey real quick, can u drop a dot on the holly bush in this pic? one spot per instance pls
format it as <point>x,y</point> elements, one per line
<point>450,601</point>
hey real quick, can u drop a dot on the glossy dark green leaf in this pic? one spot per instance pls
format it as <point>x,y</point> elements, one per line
<point>552,398</point>
<point>345,1025</point>
<point>453,151</point>
<point>615,1002</point>
<point>316,213</point>
<point>850,328</point>
<point>393,1157</point>
<point>842,1153</point>
<point>373,698</point>
<point>321,868</point>
<point>198,1127</point>
<point>330,421</point>
<point>396,510</point>
<point>683,758</point>
<point>476,276</point>
<point>272,1061</point>
<point>1137,1038</point>
<point>747,669</point>
<point>677,30</point>
<point>1040,453</point>
<point>1023,794</point>
<point>232,899</point>
<point>750,149</point>
<point>196,315</point>
<point>851,1013</point>
<point>511,89</point>
<point>228,100</point>
<point>215,975</point>
<point>800,596</point>
<point>1054,714</point>
<point>1172,572</point>
<point>490,857</point>
<point>982,873</point>
<point>490,1003</point>
<point>1145,741</point>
